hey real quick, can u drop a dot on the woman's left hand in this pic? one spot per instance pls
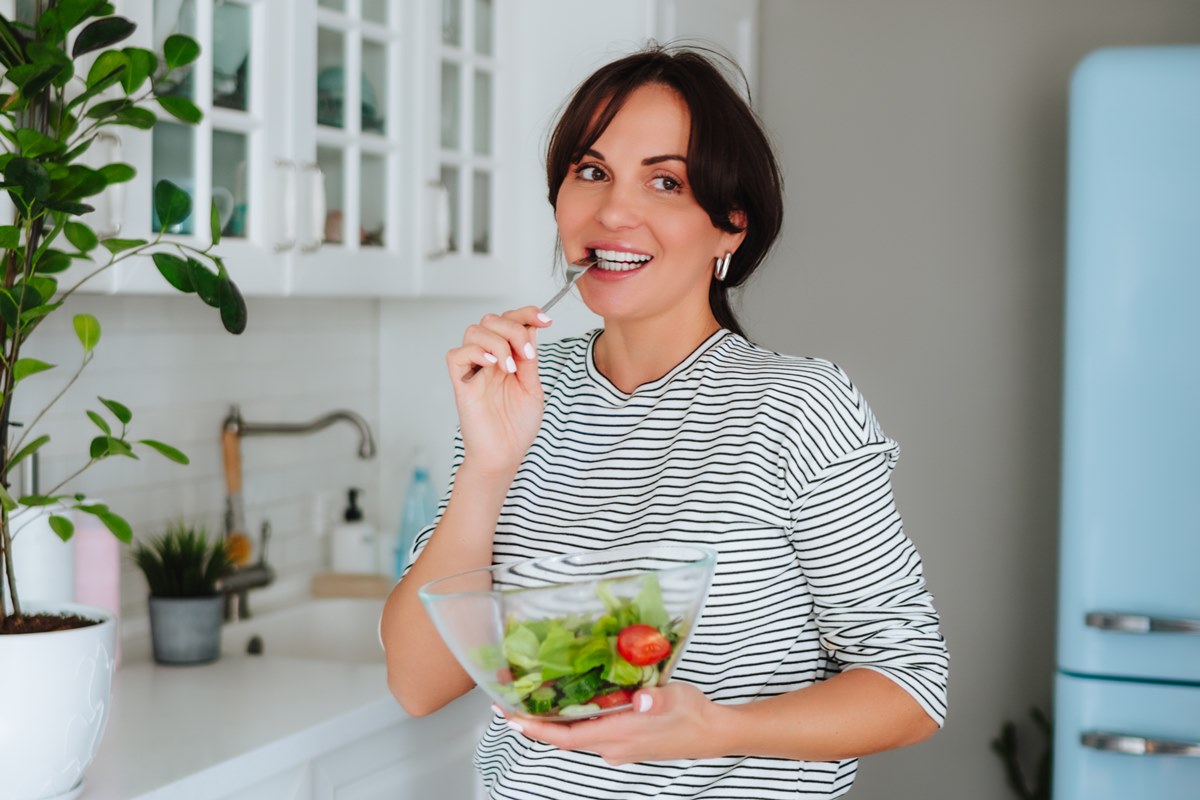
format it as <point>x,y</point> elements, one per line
<point>668,722</point>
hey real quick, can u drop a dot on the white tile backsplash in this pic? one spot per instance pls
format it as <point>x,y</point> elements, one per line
<point>169,360</point>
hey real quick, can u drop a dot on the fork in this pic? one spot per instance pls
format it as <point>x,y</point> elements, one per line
<point>575,271</point>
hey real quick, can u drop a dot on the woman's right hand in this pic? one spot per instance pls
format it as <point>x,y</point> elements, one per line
<point>497,389</point>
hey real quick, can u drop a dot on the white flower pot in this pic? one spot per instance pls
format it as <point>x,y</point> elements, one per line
<point>55,693</point>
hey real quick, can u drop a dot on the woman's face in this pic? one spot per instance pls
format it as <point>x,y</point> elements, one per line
<point>628,202</point>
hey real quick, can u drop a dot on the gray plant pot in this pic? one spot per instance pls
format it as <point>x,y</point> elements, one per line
<point>186,630</point>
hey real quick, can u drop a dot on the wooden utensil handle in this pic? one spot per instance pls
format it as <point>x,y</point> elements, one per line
<point>231,446</point>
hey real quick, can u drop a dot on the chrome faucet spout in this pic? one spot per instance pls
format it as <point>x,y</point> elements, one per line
<point>366,446</point>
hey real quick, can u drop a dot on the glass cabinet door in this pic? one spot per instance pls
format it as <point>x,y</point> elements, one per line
<point>351,241</point>
<point>462,235</point>
<point>225,159</point>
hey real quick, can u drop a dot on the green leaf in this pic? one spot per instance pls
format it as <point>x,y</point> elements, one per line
<point>115,246</point>
<point>181,108</point>
<point>9,311</point>
<point>35,143</point>
<point>118,172</point>
<point>73,12</point>
<point>166,449</point>
<point>118,410</point>
<point>50,27</point>
<point>27,450</point>
<point>100,423</point>
<point>70,207</point>
<point>106,70</point>
<point>29,177</point>
<point>142,64</point>
<point>119,527</point>
<point>53,261</point>
<point>87,329</point>
<point>38,500</point>
<point>214,223</point>
<point>12,45</point>
<point>233,307</point>
<point>32,79</point>
<point>5,498</point>
<point>10,237</point>
<point>180,50</point>
<point>175,270</point>
<point>172,204</point>
<point>109,108</point>
<point>102,33</point>
<point>104,446</point>
<point>207,284</point>
<point>81,236</point>
<point>28,366</point>
<point>140,118</point>
<point>62,526</point>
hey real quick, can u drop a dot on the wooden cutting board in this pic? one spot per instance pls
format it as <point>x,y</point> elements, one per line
<point>340,584</point>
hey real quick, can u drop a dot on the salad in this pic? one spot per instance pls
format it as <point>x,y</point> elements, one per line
<point>579,665</point>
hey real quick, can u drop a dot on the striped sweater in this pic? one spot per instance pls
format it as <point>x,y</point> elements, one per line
<point>778,463</point>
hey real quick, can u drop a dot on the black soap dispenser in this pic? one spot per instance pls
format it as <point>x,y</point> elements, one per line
<point>354,549</point>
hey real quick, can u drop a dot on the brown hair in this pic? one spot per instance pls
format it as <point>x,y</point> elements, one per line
<point>731,165</point>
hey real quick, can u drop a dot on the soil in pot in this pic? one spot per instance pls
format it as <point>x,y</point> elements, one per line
<point>43,623</point>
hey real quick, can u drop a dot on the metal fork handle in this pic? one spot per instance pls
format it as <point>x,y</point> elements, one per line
<point>561,293</point>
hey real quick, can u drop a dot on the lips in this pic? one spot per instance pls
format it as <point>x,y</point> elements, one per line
<point>619,260</point>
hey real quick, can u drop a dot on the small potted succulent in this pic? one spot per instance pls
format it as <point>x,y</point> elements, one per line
<point>183,567</point>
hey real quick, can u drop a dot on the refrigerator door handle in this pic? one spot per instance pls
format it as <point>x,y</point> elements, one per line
<point>1138,745</point>
<point>1140,623</point>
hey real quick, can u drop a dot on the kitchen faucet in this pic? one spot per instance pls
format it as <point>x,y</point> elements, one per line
<point>236,587</point>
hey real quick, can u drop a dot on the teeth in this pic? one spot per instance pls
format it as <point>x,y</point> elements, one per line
<point>619,260</point>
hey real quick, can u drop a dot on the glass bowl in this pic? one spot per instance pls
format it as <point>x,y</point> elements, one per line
<point>573,636</point>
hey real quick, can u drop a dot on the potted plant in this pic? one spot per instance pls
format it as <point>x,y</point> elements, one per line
<point>183,568</point>
<point>66,81</point>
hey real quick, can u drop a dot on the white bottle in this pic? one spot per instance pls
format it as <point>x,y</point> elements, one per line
<point>353,547</point>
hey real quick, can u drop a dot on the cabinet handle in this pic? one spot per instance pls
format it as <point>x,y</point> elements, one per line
<point>439,203</point>
<point>289,205</point>
<point>1140,623</point>
<point>1138,745</point>
<point>116,205</point>
<point>316,209</point>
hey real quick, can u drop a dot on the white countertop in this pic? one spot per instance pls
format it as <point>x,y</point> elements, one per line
<point>211,730</point>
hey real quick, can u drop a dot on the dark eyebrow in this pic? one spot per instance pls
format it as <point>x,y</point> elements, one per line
<point>646,162</point>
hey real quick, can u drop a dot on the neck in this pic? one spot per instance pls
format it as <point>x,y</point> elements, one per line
<point>632,353</point>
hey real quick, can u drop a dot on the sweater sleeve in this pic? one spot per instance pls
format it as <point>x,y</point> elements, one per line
<point>870,602</point>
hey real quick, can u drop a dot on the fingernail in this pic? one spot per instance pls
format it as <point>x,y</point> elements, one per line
<point>510,365</point>
<point>542,317</point>
<point>529,351</point>
<point>490,358</point>
<point>516,726</point>
<point>497,710</point>
<point>644,701</point>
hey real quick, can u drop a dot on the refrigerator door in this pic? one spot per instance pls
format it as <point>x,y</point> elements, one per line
<point>1100,725</point>
<point>1130,521</point>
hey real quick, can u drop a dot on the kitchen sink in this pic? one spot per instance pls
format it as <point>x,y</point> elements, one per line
<point>330,629</point>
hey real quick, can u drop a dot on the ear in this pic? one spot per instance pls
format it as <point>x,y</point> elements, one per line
<point>730,242</point>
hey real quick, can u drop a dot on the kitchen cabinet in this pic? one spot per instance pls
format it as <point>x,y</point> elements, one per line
<point>327,184</point>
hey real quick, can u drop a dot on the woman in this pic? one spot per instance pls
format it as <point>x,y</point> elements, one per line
<point>819,642</point>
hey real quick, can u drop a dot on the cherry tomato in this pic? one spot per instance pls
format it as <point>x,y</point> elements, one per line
<point>642,645</point>
<point>621,697</point>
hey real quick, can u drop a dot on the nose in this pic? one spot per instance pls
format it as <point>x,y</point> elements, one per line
<point>618,208</point>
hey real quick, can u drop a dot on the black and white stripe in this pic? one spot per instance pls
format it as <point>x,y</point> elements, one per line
<point>778,463</point>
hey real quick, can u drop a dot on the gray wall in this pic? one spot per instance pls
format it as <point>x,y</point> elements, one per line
<point>924,150</point>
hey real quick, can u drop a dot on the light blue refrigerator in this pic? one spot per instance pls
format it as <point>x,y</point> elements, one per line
<point>1127,691</point>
